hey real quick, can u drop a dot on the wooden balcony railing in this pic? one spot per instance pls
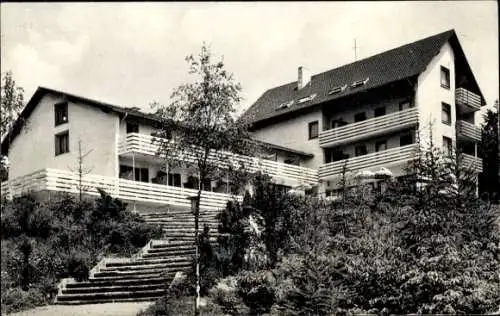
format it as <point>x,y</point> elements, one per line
<point>148,145</point>
<point>369,128</point>
<point>65,181</point>
<point>465,98</point>
<point>473,162</point>
<point>382,158</point>
<point>468,130</point>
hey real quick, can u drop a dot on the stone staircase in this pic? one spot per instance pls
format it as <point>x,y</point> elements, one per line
<point>145,276</point>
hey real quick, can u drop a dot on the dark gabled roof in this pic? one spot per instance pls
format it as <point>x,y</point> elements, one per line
<point>42,91</point>
<point>106,107</point>
<point>391,66</point>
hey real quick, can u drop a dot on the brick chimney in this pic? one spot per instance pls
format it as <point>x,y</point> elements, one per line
<point>303,78</point>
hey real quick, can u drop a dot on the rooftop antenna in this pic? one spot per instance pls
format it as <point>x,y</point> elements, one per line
<point>355,50</point>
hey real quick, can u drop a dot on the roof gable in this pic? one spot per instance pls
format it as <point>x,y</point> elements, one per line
<point>390,66</point>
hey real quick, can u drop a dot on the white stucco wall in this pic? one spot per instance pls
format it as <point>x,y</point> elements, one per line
<point>430,94</point>
<point>34,148</point>
<point>391,105</point>
<point>294,133</point>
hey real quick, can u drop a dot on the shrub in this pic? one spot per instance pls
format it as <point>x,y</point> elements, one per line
<point>224,294</point>
<point>15,299</point>
<point>78,266</point>
<point>257,290</point>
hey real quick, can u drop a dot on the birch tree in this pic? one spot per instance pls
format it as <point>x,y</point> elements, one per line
<point>199,124</point>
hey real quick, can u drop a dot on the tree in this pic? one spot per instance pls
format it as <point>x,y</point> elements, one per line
<point>489,180</point>
<point>199,125</point>
<point>12,102</point>
<point>81,169</point>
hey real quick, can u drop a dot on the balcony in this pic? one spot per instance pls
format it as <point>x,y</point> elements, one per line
<point>467,101</point>
<point>64,181</point>
<point>472,162</point>
<point>383,158</point>
<point>287,174</point>
<point>468,131</point>
<point>369,128</point>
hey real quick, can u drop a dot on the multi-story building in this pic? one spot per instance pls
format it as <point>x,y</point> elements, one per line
<point>367,115</point>
<point>364,116</point>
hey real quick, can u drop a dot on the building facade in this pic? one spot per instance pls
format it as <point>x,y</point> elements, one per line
<point>371,114</point>
<point>361,117</point>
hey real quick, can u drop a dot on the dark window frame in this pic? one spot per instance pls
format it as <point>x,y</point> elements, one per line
<point>134,127</point>
<point>310,131</point>
<point>61,113</point>
<point>446,73</point>
<point>359,146</point>
<point>448,145</point>
<point>380,142</point>
<point>59,148</point>
<point>445,107</point>
<point>379,109</point>
<point>357,115</point>
<point>410,136</point>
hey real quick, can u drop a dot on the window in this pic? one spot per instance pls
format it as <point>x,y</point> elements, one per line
<point>338,123</point>
<point>360,150</point>
<point>142,174</point>
<point>175,179</point>
<point>404,105</point>
<point>132,127</point>
<point>127,172</point>
<point>445,77</point>
<point>61,113</point>
<point>406,139</point>
<point>381,145</point>
<point>446,113</point>
<point>62,143</point>
<point>380,111</point>
<point>359,117</point>
<point>447,145</point>
<point>313,130</point>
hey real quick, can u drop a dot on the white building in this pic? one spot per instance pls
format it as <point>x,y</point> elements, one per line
<point>367,112</point>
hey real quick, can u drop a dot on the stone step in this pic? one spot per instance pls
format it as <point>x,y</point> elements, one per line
<point>115,288</point>
<point>125,282</point>
<point>147,262</point>
<point>108,300</point>
<point>147,268</point>
<point>111,295</point>
<point>126,275</point>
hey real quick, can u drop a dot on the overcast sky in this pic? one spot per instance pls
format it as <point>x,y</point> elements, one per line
<point>133,53</point>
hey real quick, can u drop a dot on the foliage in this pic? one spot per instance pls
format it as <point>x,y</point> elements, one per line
<point>489,181</point>
<point>43,242</point>
<point>15,299</point>
<point>256,288</point>
<point>12,102</point>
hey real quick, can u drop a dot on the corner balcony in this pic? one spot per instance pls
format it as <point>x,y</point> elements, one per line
<point>142,144</point>
<point>55,180</point>
<point>468,131</point>
<point>467,101</point>
<point>383,158</point>
<point>473,162</point>
<point>391,122</point>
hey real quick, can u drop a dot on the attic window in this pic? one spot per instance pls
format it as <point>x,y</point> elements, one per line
<point>307,99</point>
<point>285,105</point>
<point>337,89</point>
<point>358,83</point>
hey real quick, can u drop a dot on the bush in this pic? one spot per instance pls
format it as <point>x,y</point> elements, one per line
<point>257,289</point>
<point>15,299</point>
<point>224,294</point>
<point>78,266</point>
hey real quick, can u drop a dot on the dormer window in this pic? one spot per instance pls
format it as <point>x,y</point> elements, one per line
<point>307,99</point>
<point>285,105</point>
<point>359,83</point>
<point>61,113</point>
<point>337,89</point>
